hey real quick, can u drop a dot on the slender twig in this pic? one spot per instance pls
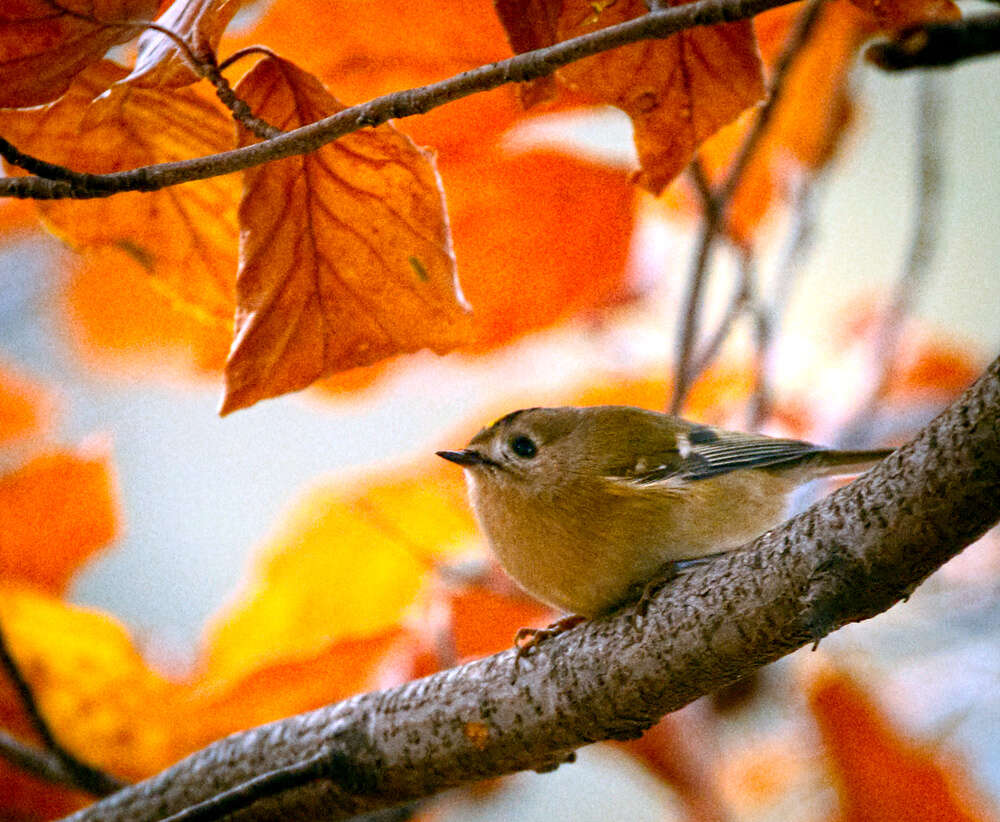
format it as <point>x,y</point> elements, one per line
<point>205,65</point>
<point>202,67</point>
<point>916,267</point>
<point>714,219</point>
<point>769,313</point>
<point>798,242</point>
<point>761,397</point>
<point>518,69</point>
<point>939,44</point>
<point>249,51</point>
<point>43,764</point>
<point>82,775</point>
<point>743,296</point>
<point>241,112</point>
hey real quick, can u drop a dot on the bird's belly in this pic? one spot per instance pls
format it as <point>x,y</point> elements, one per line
<point>591,560</point>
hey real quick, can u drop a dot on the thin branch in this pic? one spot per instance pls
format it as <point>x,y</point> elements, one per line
<point>917,265</point>
<point>743,296</point>
<point>847,558</point>
<point>83,776</point>
<point>714,218</point>
<point>518,69</point>
<point>43,764</point>
<point>939,44</point>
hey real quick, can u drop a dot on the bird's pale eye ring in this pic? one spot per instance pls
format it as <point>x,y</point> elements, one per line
<point>523,446</point>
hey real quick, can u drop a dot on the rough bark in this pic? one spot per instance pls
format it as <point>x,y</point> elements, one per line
<point>847,558</point>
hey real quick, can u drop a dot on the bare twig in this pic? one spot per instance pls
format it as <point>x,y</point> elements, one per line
<point>43,764</point>
<point>81,774</point>
<point>916,266</point>
<point>518,69</point>
<point>743,296</point>
<point>714,218</point>
<point>761,398</point>
<point>939,44</point>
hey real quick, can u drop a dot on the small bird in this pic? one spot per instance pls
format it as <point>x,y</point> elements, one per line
<point>584,506</point>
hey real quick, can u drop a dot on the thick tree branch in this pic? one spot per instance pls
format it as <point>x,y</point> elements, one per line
<point>847,558</point>
<point>521,68</point>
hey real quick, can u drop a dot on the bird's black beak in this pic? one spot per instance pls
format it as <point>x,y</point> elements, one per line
<point>464,457</point>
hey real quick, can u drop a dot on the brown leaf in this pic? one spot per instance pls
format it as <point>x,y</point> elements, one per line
<point>345,253</point>
<point>44,44</point>
<point>184,237</point>
<point>160,63</point>
<point>678,91</point>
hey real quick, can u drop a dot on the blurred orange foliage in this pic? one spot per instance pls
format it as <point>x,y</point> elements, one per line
<point>184,238</point>
<point>57,510</point>
<point>882,776</point>
<point>24,406</point>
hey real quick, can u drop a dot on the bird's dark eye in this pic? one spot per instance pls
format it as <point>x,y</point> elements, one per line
<point>523,447</point>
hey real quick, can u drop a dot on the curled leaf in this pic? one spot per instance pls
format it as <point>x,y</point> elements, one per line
<point>200,23</point>
<point>677,91</point>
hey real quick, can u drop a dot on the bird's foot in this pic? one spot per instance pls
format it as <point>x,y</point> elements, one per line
<point>527,639</point>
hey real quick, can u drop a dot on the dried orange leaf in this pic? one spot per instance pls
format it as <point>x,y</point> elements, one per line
<point>882,775</point>
<point>56,511</point>
<point>345,253</point>
<point>185,237</point>
<point>91,683</point>
<point>24,406</point>
<point>678,91</point>
<point>340,567</point>
<point>44,44</point>
<point>200,23</point>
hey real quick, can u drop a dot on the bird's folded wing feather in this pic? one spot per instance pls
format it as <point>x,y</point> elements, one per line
<point>704,452</point>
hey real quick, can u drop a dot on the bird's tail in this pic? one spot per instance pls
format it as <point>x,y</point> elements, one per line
<point>841,463</point>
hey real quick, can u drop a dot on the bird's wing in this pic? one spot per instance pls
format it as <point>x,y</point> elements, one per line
<point>704,452</point>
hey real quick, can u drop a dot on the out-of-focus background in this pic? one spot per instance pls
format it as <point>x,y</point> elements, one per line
<point>199,493</point>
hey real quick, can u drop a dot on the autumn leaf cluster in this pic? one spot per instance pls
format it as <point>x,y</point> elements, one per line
<point>372,246</point>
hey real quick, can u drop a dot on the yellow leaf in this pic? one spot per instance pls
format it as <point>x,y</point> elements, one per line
<point>341,566</point>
